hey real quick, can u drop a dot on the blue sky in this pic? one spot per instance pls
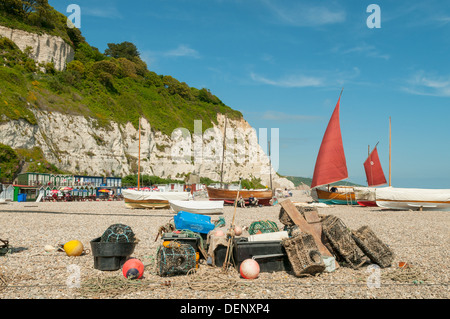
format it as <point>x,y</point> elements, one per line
<point>284,63</point>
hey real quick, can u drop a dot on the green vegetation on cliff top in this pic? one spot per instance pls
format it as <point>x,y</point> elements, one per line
<point>114,86</point>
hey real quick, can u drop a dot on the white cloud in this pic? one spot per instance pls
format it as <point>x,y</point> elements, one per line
<point>305,14</point>
<point>290,81</point>
<point>425,84</point>
<point>280,116</point>
<point>182,51</point>
<point>323,79</point>
<point>368,50</point>
<point>103,12</point>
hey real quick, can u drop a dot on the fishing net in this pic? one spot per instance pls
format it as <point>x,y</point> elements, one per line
<point>175,259</point>
<point>190,234</point>
<point>262,226</point>
<point>118,233</point>
<point>304,255</point>
<point>342,242</point>
<point>219,223</point>
<point>373,247</point>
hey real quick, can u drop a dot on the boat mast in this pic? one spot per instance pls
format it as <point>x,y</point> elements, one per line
<point>270,167</point>
<point>139,163</point>
<point>390,147</point>
<point>223,152</point>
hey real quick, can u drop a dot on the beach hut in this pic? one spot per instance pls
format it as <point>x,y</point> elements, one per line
<point>8,193</point>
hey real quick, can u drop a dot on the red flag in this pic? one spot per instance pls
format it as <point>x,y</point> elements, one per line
<point>374,171</point>
<point>331,165</point>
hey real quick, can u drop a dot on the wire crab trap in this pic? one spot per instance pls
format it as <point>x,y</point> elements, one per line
<point>342,241</point>
<point>262,227</point>
<point>373,247</point>
<point>175,258</point>
<point>118,233</point>
<point>304,255</point>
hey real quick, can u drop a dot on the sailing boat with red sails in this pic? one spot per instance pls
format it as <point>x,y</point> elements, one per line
<point>331,166</point>
<point>366,196</point>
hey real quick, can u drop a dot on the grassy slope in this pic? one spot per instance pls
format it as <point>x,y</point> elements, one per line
<point>307,181</point>
<point>98,87</point>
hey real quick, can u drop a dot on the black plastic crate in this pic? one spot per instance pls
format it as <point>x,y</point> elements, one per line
<point>110,256</point>
<point>270,255</point>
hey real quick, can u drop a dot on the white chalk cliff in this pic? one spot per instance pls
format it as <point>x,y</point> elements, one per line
<point>45,48</point>
<point>73,144</point>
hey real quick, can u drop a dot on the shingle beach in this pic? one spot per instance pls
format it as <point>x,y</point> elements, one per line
<point>28,271</point>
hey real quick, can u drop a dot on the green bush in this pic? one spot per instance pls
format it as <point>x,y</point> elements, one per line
<point>9,162</point>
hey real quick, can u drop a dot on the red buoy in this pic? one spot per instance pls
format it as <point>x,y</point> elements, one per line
<point>133,269</point>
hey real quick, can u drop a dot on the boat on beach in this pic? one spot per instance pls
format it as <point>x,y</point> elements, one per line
<point>366,196</point>
<point>413,199</point>
<point>148,199</point>
<point>201,207</point>
<point>398,198</point>
<point>335,195</point>
<point>264,196</point>
<point>331,166</point>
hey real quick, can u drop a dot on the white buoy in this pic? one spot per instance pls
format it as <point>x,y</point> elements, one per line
<point>249,269</point>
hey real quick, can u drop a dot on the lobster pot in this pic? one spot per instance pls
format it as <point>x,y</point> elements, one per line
<point>118,233</point>
<point>342,242</point>
<point>304,255</point>
<point>262,227</point>
<point>286,220</point>
<point>175,259</point>
<point>378,252</point>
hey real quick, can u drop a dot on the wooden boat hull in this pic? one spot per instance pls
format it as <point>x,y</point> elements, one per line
<point>264,197</point>
<point>335,198</point>
<point>146,204</point>
<point>144,199</point>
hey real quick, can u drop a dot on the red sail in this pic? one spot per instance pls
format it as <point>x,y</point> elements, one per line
<point>331,165</point>
<point>374,171</point>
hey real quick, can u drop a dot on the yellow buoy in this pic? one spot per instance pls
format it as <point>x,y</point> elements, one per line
<point>73,248</point>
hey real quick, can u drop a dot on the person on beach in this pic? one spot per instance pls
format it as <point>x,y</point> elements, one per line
<point>252,201</point>
<point>241,202</point>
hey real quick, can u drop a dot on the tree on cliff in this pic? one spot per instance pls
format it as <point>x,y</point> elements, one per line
<point>125,50</point>
<point>23,8</point>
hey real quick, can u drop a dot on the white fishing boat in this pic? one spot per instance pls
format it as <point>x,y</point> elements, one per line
<point>413,199</point>
<point>409,198</point>
<point>198,207</point>
<point>148,199</point>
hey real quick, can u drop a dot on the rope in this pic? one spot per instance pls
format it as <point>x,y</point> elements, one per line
<point>219,223</point>
<point>200,280</point>
<point>406,274</point>
<point>113,286</point>
<point>192,234</point>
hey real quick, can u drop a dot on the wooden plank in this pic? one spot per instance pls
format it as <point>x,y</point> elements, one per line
<point>312,216</point>
<point>304,226</point>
